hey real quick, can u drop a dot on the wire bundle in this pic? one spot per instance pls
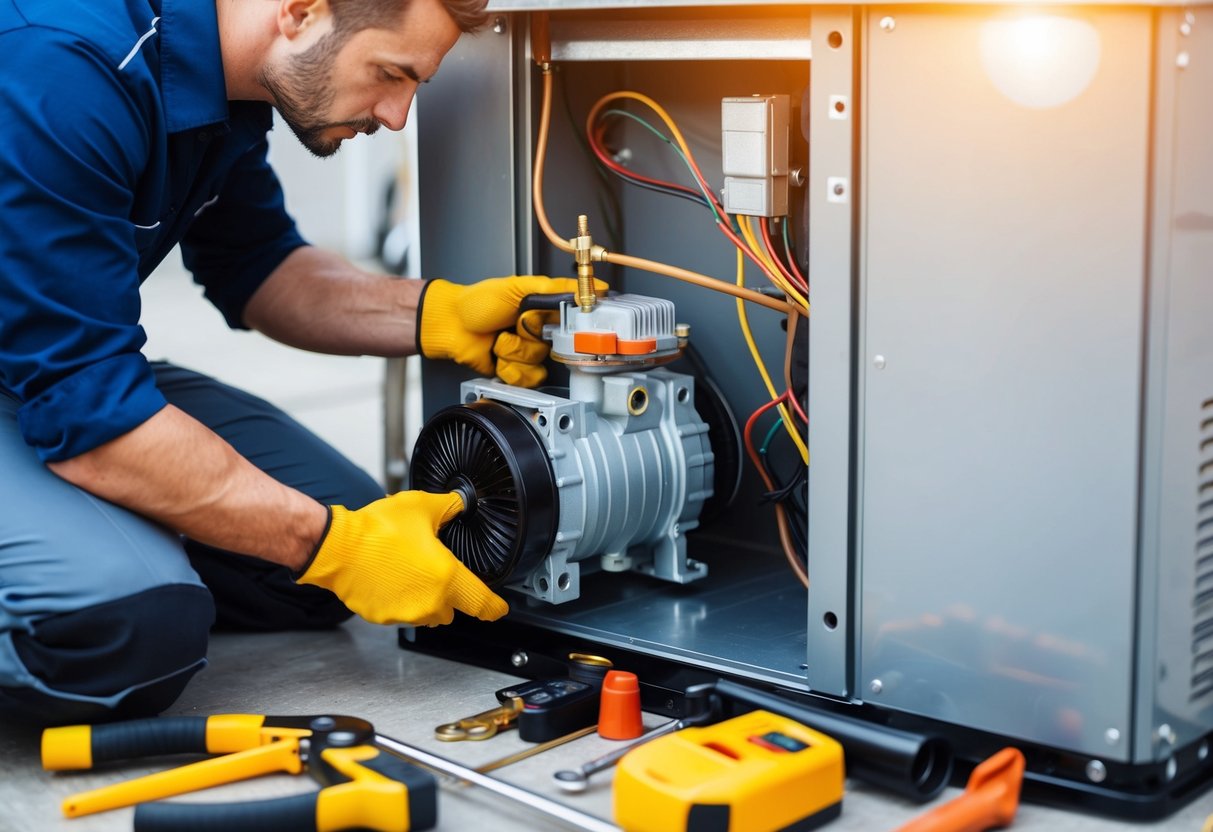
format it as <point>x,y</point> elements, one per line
<point>782,271</point>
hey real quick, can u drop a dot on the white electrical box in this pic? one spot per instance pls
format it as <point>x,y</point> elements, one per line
<point>755,155</point>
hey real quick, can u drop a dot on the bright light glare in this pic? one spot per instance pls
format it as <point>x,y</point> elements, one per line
<point>1040,61</point>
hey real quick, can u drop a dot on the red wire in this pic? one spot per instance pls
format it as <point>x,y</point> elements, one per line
<point>795,403</point>
<point>792,262</point>
<point>595,141</point>
<point>749,429</point>
<point>765,228</point>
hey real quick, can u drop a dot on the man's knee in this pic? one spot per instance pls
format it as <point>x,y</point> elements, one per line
<point>128,657</point>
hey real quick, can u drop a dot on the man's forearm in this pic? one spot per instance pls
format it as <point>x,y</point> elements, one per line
<point>318,301</point>
<point>176,471</point>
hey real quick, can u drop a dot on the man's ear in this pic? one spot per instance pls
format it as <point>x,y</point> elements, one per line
<point>296,17</point>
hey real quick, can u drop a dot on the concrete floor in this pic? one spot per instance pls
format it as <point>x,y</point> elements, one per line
<point>358,668</point>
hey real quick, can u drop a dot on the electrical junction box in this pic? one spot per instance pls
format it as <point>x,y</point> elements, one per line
<point>754,154</point>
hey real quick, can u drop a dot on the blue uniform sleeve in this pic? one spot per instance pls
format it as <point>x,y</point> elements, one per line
<point>73,139</point>
<point>236,243</point>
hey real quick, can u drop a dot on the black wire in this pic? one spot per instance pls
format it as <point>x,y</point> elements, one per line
<point>648,186</point>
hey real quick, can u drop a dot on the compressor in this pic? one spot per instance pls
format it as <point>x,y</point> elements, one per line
<point>609,474</point>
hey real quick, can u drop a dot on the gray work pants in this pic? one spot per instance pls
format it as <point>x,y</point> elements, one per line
<point>105,614</point>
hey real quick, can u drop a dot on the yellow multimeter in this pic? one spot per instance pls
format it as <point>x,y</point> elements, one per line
<point>752,773</point>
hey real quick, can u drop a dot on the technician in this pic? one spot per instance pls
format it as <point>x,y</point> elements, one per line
<point>141,502</point>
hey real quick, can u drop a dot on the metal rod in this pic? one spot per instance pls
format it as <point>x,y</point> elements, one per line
<point>535,749</point>
<point>577,780</point>
<point>574,818</point>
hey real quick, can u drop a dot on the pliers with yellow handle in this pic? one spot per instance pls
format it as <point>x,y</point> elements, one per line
<point>362,787</point>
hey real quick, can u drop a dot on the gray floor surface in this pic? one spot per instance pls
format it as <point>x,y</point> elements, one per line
<point>359,670</point>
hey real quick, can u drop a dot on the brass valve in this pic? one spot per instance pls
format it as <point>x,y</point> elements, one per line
<point>583,255</point>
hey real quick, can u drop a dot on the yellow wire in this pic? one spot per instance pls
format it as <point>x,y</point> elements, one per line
<point>744,320</point>
<point>772,271</point>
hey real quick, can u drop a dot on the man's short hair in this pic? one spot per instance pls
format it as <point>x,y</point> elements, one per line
<point>350,16</point>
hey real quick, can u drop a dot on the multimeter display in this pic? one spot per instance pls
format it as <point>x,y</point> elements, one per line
<point>778,742</point>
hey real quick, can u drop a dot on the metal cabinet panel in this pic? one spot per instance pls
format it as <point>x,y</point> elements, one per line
<point>1003,317</point>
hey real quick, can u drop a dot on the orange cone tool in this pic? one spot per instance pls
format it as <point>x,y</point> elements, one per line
<point>989,800</point>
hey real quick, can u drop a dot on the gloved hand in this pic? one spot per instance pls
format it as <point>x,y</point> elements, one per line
<point>385,562</point>
<point>470,325</point>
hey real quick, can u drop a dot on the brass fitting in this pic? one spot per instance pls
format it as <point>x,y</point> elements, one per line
<point>583,251</point>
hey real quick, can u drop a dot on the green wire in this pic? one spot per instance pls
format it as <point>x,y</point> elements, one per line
<point>770,435</point>
<point>676,148</point>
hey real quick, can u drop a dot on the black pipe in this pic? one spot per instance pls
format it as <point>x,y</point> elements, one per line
<point>912,765</point>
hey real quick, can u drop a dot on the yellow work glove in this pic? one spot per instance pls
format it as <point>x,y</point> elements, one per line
<point>385,562</point>
<point>472,324</point>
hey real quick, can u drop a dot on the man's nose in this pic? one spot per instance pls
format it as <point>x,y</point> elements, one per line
<point>393,112</point>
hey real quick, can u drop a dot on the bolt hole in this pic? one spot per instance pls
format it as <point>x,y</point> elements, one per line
<point>830,620</point>
<point>834,39</point>
<point>683,394</point>
<point>564,581</point>
<point>564,422</point>
<point>541,420</point>
<point>542,583</point>
<point>638,401</point>
<point>469,398</point>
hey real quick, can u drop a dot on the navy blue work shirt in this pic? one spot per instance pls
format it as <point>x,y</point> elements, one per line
<point>117,141</point>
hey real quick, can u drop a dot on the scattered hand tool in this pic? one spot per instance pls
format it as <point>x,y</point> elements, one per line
<point>567,815</point>
<point>518,756</point>
<point>483,725</point>
<point>361,788</point>
<point>578,779</point>
<point>990,799</point>
<point>752,773</point>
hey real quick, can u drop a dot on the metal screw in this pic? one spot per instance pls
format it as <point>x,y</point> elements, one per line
<point>1202,751</point>
<point>499,25</point>
<point>1182,60</point>
<point>1166,734</point>
<point>1112,736</point>
<point>839,189</point>
<point>804,666</point>
<point>520,658</point>
<point>1185,28</point>
<point>1169,772</point>
<point>1190,18</point>
<point>888,23</point>
<point>1097,772</point>
<point>669,704</point>
<point>878,362</point>
<point>876,686</point>
<point>682,330</point>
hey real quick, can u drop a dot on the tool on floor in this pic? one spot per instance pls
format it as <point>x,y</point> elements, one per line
<point>619,707</point>
<point>552,708</point>
<point>702,707</point>
<point>518,756</point>
<point>990,798</point>
<point>567,815</point>
<point>755,772</point>
<point>361,787</point>
<point>483,725</point>
<point>578,779</point>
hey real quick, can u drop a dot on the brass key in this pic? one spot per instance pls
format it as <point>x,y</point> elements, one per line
<point>483,725</point>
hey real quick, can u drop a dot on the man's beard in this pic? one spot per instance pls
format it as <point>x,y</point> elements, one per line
<point>304,93</point>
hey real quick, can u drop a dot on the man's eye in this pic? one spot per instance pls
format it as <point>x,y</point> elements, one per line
<point>388,76</point>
